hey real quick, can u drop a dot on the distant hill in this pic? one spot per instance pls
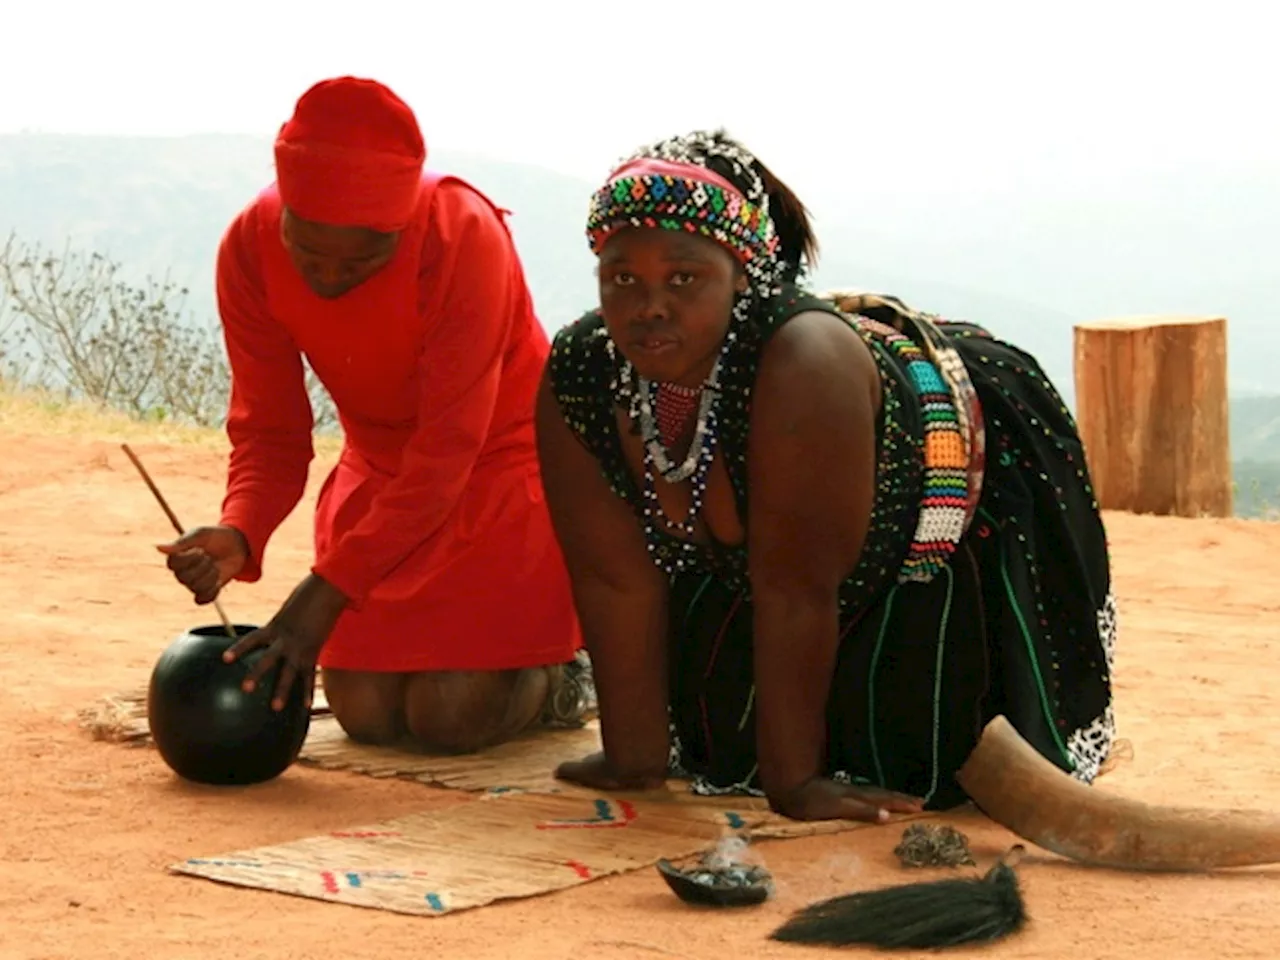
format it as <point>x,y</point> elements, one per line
<point>1255,448</point>
<point>160,205</point>
<point>1255,428</point>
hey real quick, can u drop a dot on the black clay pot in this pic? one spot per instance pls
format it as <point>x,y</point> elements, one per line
<point>207,728</point>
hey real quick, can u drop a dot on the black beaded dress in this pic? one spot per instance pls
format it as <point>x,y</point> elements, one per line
<point>1014,615</point>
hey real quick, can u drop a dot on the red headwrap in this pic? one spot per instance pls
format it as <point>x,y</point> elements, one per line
<point>352,155</point>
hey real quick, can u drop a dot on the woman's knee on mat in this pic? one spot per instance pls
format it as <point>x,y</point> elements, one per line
<point>468,710</point>
<point>368,706</point>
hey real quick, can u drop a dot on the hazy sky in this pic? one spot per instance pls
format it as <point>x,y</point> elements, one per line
<point>919,97</point>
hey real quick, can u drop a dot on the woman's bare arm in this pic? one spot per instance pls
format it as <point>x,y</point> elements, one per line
<point>812,477</point>
<point>621,598</point>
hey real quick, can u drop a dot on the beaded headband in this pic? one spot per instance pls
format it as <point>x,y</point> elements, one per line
<point>660,194</point>
<point>687,202</point>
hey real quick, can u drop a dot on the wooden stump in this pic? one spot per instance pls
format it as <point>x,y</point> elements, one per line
<point>1151,404</point>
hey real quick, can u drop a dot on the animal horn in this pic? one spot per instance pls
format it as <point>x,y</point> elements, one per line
<point>1022,791</point>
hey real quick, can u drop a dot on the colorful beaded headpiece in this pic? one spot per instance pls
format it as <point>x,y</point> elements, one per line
<point>655,193</point>
<point>669,186</point>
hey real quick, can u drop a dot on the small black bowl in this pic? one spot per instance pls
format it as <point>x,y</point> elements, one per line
<point>738,885</point>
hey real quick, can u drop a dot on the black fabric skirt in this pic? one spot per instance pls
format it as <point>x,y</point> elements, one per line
<point>1021,623</point>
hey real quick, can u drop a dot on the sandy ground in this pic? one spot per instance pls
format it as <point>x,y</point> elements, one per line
<point>91,826</point>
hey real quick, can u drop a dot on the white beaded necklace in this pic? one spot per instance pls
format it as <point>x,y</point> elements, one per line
<point>703,433</point>
<point>639,393</point>
<point>697,462</point>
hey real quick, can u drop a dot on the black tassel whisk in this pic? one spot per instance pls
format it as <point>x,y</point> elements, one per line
<point>944,913</point>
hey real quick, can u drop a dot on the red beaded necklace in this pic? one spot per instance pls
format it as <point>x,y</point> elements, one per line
<point>674,407</point>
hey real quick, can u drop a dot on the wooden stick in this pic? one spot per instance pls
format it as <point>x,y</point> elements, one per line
<point>231,631</point>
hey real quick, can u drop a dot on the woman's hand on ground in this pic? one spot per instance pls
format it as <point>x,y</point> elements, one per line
<point>293,638</point>
<point>596,773</point>
<point>205,559</point>
<point>823,799</point>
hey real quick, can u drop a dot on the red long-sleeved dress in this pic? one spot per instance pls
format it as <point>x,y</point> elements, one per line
<point>433,521</point>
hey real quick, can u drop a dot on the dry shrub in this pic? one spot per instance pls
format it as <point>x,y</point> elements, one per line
<point>71,324</point>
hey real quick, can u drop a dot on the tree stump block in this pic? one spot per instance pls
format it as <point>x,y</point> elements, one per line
<point>1151,405</point>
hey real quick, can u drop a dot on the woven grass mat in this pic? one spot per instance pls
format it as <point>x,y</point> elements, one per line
<point>495,848</point>
<point>523,764</point>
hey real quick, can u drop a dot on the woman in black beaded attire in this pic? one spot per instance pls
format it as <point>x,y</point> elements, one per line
<point>816,543</point>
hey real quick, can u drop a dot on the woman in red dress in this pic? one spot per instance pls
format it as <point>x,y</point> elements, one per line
<point>438,605</point>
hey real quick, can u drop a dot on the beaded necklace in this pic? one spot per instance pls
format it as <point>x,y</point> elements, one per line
<point>697,462</point>
<point>674,406</point>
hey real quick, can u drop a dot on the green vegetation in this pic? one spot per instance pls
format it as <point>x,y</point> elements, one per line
<point>1257,488</point>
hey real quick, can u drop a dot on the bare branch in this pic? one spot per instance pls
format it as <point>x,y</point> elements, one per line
<point>72,323</point>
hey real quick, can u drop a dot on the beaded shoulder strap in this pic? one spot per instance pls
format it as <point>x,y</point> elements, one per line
<point>954,441</point>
